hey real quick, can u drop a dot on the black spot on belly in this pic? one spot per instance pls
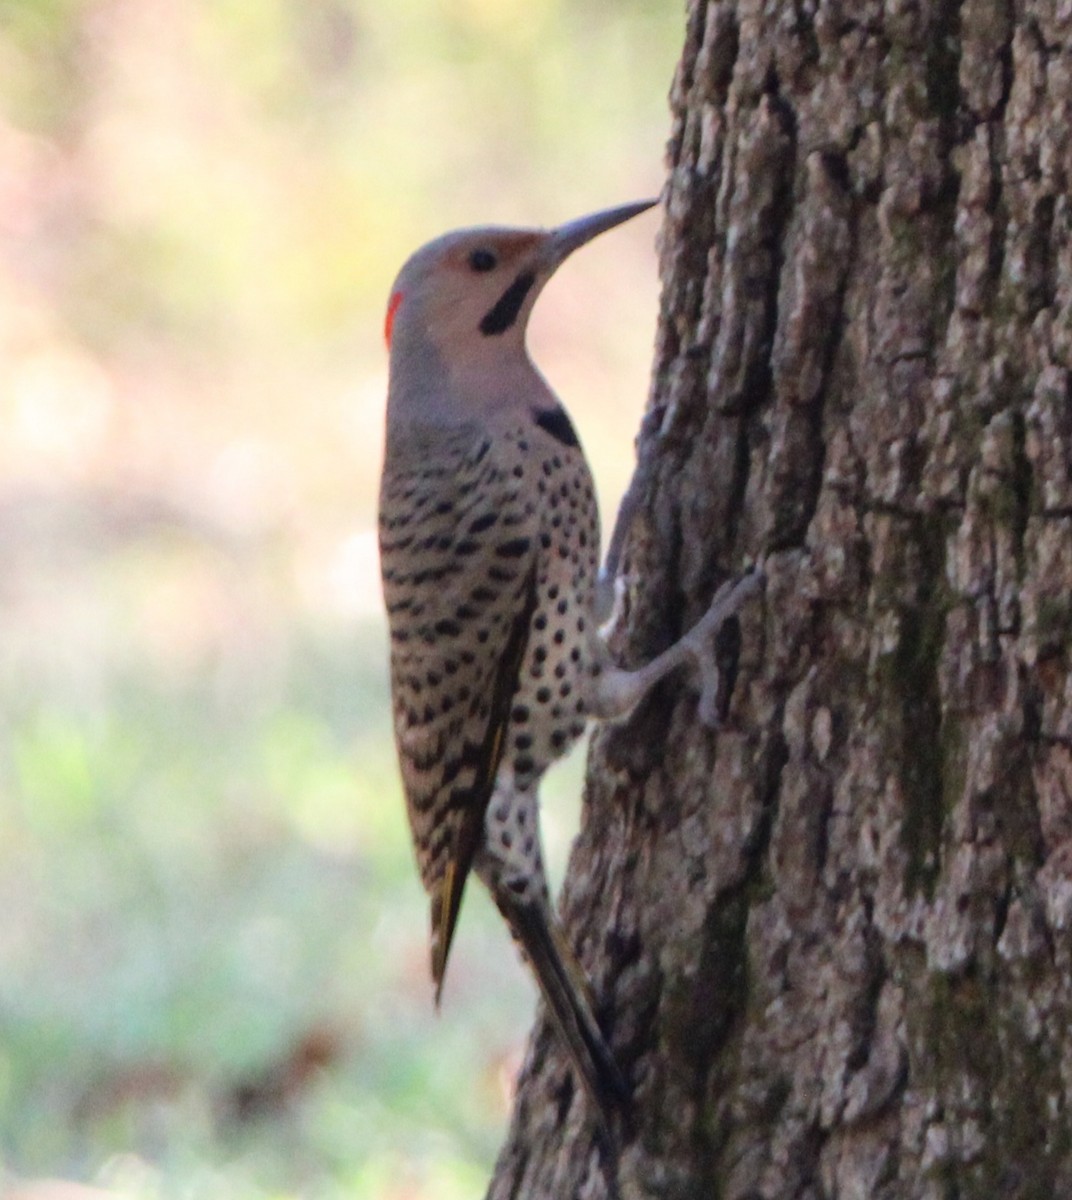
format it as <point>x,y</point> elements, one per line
<point>556,422</point>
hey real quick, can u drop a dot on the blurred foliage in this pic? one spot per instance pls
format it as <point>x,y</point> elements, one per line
<point>213,954</point>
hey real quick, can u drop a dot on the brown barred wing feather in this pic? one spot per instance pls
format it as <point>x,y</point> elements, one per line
<point>458,550</point>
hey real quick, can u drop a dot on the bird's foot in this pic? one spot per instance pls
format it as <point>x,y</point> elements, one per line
<point>610,600</point>
<point>699,642</point>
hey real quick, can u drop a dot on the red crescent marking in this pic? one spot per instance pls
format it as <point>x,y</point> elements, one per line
<point>392,308</point>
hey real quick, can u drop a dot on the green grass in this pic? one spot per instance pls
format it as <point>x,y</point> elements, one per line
<point>201,875</point>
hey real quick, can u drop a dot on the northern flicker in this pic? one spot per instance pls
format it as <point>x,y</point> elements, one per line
<point>489,545</point>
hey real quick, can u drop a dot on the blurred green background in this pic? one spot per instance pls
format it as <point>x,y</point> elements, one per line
<point>213,945</point>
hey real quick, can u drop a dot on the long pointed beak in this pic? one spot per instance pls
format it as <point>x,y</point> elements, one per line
<point>566,238</point>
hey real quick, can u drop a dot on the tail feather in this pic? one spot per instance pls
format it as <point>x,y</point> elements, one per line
<point>566,990</point>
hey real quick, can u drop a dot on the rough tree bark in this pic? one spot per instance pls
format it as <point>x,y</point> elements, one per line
<point>833,941</point>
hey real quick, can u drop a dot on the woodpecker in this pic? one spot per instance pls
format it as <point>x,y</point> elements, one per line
<point>489,549</point>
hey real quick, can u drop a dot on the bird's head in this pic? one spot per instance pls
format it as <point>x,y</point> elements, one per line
<point>466,297</point>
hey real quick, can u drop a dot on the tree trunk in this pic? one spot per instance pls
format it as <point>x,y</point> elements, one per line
<point>832,941</point>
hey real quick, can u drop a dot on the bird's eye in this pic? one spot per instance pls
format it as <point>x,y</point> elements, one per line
<point>483,260</point>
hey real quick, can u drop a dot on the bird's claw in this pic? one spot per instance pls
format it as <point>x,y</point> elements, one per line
<point>727,601</point>
<point>611,601</point>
